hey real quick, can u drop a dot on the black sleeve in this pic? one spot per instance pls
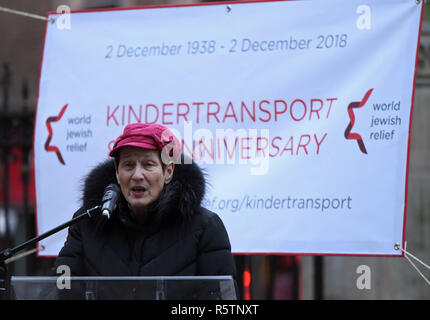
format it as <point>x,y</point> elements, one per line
<point>71,254</point>
<point>215,256</point>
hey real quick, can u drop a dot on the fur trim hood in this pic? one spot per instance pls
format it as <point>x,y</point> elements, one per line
<point>178,201</point>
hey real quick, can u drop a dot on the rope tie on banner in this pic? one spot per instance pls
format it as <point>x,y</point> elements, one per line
<point>26,14</point>
<point>398,247</point>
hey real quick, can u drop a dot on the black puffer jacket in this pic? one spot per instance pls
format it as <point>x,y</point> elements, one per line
<point>178,238</point>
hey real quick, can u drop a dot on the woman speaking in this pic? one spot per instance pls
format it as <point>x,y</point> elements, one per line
<point>158,227</point>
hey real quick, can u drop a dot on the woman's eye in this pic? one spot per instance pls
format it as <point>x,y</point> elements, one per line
<point>128,164</point>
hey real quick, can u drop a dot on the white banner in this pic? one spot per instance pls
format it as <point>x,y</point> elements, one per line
<point>300,112</point>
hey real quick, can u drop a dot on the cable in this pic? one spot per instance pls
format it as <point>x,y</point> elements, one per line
<point>398,247</point>
<point>26,14</point>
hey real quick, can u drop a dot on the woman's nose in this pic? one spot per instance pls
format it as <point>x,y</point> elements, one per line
<point>138,173</point>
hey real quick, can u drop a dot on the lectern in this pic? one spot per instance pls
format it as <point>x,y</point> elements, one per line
<point>123,288</point>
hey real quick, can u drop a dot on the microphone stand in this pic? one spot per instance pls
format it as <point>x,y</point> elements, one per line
<point>5,293</point>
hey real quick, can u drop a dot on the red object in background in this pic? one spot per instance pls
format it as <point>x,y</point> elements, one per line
<point>246,284</point>
<point>16,183</point>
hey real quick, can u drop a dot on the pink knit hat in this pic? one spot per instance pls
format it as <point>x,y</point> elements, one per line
<point>148,136</point>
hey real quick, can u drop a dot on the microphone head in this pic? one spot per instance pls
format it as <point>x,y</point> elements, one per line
<point>110,197</point>
<point>110,191</point>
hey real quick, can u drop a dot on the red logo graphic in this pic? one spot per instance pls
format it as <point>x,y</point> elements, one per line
<point>49,148</point>
<point>353,135</point>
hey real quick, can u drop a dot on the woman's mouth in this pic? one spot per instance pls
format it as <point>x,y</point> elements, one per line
<point>138,191</point>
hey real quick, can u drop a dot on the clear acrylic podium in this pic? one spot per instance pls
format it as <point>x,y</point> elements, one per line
<point>124,288</point>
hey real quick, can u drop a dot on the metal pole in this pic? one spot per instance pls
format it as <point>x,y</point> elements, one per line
<point>6,84</point>
<point>6,151</point>
<point>318,278</point>
<point>25,165</point>
<point>296,275</point>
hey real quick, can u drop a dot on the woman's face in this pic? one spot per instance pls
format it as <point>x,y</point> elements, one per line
<point>141,177</point>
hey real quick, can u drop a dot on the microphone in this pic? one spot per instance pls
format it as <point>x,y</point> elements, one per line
<point>110,197</point>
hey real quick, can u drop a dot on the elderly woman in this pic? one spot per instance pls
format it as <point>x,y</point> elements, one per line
<point>159,227</point>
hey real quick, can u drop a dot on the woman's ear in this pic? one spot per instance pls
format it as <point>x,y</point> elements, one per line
<point>116,172</point>
<point>168,173</point>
